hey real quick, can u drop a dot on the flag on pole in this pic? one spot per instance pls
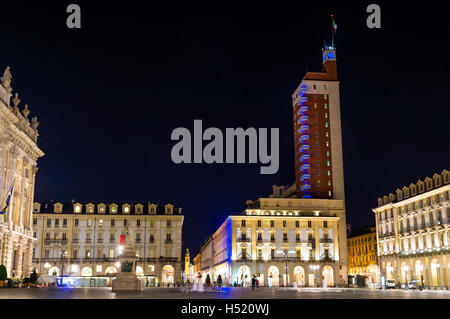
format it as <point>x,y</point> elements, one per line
<point>6,200</point>
<point>333,23</point>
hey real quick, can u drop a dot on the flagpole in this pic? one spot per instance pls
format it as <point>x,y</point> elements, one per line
<point>7,193</point>
<point>332,32</point>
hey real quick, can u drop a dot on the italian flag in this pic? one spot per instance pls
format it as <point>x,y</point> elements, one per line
<point>334,23</point>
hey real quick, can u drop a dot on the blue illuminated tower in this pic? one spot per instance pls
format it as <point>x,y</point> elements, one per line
<point>317,132</point>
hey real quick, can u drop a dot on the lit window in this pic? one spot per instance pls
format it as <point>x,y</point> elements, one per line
<point>98,268</point>
<point>328,144</point>
<point>326,105</point>
<point>127,209</point>
<point>326,115</point>
<point>326,134</point>
<point>329,193</point>
<point>77,209</point>
<point>325,96</point>
<point>326,124</point>
<point>328,163</point>
<point>329,173</point>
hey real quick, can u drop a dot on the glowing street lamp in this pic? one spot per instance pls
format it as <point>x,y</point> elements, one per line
<point>314,268</point>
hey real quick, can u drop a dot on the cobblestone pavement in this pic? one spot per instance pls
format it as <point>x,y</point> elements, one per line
<point>226,293</point>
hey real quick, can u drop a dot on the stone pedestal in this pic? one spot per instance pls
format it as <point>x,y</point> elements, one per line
<point>126,277</point>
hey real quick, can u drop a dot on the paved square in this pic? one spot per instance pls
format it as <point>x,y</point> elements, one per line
<point>226,293</point>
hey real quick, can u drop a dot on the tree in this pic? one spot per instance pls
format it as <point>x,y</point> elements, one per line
<point>208,280</point>
<point>219,281</point>
<point>3,273</point>
<point>33,276</point>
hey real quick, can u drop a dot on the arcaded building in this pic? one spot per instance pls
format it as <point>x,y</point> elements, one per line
<point>281,240</point>
<point>19,153</point>
<point>413,232</point>
<point>83,241</point>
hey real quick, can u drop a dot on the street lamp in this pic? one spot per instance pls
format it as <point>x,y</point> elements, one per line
<point>314,268</point>
<point>438,274</point>
<point>420,266</point>
<point>285,269</point>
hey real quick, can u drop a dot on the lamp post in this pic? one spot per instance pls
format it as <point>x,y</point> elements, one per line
<point>421,275</point>
<point>438,266</point>
<point>314,268</point>
<point>285,269</point>
<point>63,255</point>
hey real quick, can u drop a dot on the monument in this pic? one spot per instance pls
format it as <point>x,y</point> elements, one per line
<point>126,276</point>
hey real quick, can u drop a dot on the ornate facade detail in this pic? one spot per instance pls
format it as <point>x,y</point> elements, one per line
<point>18,155</point>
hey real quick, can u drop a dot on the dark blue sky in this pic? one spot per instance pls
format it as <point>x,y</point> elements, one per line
<point>109,95</point>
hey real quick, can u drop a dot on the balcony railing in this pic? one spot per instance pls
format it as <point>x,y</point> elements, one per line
<point>100,240</point>
<point>327,260</point>
<point>55,241</point>
<point>326,240</point>
<point>243,240</point>
<point>168,241</point>
<point>112,240</point>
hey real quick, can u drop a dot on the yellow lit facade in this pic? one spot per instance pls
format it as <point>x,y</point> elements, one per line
<point>413,232</point>
<point>83,240</point>
<point>283,241</point>
<point>362,255</point>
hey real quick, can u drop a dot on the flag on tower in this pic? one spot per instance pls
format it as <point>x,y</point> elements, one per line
<point>334,23</point>
<point>6,200</point>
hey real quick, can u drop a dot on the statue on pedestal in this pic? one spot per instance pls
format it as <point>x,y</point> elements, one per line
<point>126,277</point>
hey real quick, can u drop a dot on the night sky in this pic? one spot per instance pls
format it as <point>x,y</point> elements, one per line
<point>109,95</point>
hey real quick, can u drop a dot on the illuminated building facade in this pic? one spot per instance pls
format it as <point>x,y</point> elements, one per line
<point>317,133</point>
<point>83,240</point>
<point>18,166</point>
<point>362,255</point>
<point>413,233</point>
<point>282,240</point>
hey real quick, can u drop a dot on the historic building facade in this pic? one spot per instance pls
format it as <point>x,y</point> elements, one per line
<point>413,233</point>
<point>362,255</point>
<point>84,240</point>
<point>282,240</point>
<point>18,164</point>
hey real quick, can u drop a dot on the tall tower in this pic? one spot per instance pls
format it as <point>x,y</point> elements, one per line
<point>319,169</point>
<point>187,262</point>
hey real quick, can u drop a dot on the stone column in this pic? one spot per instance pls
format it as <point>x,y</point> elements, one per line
<point>8,253</point>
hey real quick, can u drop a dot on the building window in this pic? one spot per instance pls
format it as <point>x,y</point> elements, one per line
<point>284,223</point>
<point>297,224</point>
<point>34,221</point>
<point>272,237</point>
<point>56,222</point>
<point>272,223</point>
<point>309,224</point>
<point>259,223</point>
<point>272,253</point>
<point>169,223</point>
<point>285,237</point>
<point>152,238</point>
<point>113,222</point>
<point>49,222</point>
<point>64,222</point>
<point>243,223</point>
<point>125,222</point>
<point>138,223</point>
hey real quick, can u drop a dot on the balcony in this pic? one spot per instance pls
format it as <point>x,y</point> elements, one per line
<point>138,240</point>
<point>112,241</point>
<point>88,240</point>
<point>168,241</point>
<point>326,240</point>
<point>75,240</point>
<point>100,240</point>
<point>327,260</point>
<point>243,240</point>
<point>55,241</point>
